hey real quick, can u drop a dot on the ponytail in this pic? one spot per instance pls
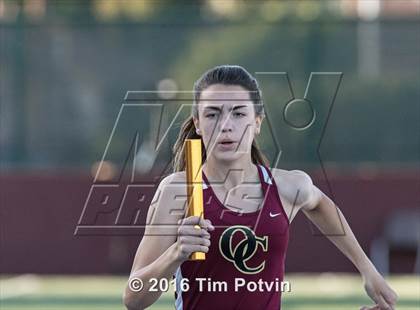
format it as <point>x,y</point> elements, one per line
<point>187,132</point>
<point>257,156</point>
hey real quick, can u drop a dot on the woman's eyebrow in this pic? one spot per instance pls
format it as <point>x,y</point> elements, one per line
<point>219,109</point>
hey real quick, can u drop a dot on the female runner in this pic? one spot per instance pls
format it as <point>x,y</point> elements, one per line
<point>245,240</point>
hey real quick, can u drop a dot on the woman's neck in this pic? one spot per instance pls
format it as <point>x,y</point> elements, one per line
<point>231,174</point>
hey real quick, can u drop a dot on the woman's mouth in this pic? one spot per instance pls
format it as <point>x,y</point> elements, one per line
<point>226,145</point>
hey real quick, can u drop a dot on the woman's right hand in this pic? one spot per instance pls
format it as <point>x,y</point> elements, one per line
<point>192,239</point>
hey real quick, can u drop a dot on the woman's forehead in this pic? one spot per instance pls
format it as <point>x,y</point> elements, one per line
<point>225,95</point>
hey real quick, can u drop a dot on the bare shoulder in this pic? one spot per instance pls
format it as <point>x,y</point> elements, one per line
<point>295,176</point>
<point>171,188</point>
<point>169,199</point>
<point>294,186</point>
<point>295,179</point>
<point>174,182</point>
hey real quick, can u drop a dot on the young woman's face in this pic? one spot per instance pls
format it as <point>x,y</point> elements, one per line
<point>226,121</point>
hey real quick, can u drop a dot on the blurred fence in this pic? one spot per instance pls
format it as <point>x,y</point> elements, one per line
<point>64,78</point>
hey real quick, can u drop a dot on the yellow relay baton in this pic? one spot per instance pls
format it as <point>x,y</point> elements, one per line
<point>194,185</point>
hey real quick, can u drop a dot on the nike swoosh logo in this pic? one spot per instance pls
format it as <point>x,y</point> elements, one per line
<point>274,215</point>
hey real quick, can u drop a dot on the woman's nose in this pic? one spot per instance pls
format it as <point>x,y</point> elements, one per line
<point>226,124</point>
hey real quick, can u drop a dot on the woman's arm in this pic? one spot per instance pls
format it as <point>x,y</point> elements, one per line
<point>163,267</point>
<point>322,211</point>
<point>164,248</point>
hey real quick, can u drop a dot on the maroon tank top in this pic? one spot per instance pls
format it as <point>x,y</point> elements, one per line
<point>245,263</point>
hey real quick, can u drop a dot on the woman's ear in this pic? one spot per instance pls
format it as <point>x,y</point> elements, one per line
<point>196,124</point>
<point>258,121</point>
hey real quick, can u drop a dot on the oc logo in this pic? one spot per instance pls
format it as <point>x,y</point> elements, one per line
<point>244,250</point>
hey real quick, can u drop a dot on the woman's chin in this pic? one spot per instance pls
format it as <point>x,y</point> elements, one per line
<point>227,156</point>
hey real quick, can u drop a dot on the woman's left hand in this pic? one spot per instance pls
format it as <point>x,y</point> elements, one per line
<point>381,293</point>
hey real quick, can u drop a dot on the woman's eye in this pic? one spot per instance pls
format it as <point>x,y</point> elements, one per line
<point>239,114</point>
<point>211,115</point>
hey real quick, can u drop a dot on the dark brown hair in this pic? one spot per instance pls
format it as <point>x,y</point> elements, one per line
<point>226,75</point>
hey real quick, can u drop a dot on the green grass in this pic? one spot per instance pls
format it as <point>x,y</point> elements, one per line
<point>308,292</point>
